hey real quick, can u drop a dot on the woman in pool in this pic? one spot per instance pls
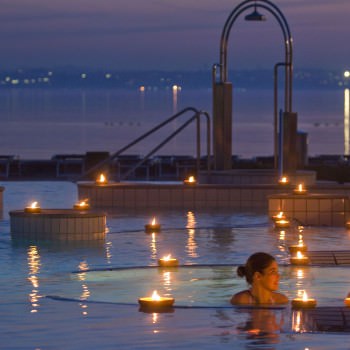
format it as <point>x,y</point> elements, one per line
<point>261,273</point>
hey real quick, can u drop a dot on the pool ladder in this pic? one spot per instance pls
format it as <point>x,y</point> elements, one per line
<point>196,117</point>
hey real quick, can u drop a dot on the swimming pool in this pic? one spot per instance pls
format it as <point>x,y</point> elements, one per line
<point>84,296</point>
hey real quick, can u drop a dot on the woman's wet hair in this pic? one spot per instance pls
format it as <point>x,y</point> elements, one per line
<point>257,262</point>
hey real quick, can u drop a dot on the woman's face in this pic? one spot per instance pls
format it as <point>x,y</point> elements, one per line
<point>269,278</point>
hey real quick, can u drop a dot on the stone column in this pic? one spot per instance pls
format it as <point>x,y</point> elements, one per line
<point>289,149</point>
<point>222,126</point>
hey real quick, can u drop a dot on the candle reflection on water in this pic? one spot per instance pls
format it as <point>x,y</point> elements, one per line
<point>33,258</point>
<point>346,122</point>
<point>191,220</point>
<point>300,274</point>
<point>153,246</point>
<point>108,248</point>
<point>167,281</point>
<point>296,321</point>
<point>154,321</point>
<point>83,267</point>
<point>282,235</point>
<point>191,247</point>
<point>282,238</point>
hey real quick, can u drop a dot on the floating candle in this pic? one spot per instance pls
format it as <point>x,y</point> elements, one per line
<point>299,259</point>
<point>156,303</point>
<point>300,189</point>
<point>33,208</point>
<point>283,180</point>
<point>304,302</point>
<point>347,301</point>
<point>282,223</point>
<point>190,181</point>
<point>295,248</point>
<point>279,216</point>
<point>82,205</point>
<point>152,227</point>
<point>168,261</point>
<point>101,180</point>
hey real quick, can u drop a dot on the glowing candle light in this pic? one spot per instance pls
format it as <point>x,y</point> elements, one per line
<point>191,180</point>
<point>168,261</point>
<point>278,216</point>
<point>152,227</point>
<point>300,189</point>
<point>33,208</point>
<point>82,205</point>
<point>304,302</point>
<point>299,259</point>
<point>283,180</point>
<point>156,303</point>
<point>296,321</point>
<point>347,301</point>
<point>300,247</point>
<point>101,180</point>
<point>282,223</point>
<point>282,235</point>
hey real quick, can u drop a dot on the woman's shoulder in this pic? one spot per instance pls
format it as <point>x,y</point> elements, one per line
<point>280,298</point>
<point>243,297</point>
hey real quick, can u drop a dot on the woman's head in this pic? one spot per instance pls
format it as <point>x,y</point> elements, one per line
<point>257,262</point>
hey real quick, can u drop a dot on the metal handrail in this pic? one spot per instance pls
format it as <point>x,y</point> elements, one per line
<point>197,115</point>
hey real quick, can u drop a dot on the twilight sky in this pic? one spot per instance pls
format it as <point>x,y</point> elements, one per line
<point>168,34</point>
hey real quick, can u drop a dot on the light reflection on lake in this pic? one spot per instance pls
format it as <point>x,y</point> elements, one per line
<point>40,123</point>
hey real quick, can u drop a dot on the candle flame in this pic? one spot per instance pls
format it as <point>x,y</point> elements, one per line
<point>102,178</point>
<point>167,257</point>
<point>300,188</point>
<point>191,179</point>
<point>155,295</point>
<point>300,255</point>
<point>153,222</point>
<point>83,203</point>
<point>300,242</point>
<point>34,205</point>
<point>305,298</point>
<point>280,214</point>
<point>284,179</point>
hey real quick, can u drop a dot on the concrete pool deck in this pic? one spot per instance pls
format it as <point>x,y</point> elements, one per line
<point>198,196</point>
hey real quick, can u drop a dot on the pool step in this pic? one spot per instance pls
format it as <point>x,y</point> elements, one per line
<point>325,257</point>
<point>325,319</point>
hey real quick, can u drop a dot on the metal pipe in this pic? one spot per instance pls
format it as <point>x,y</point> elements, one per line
<point>206,114</point>
<point>155,149</point>
<point>275,111</point>
<point>198,161</point>
<point>275,11</point>
<point>140,138</point>
<point>280,165</point>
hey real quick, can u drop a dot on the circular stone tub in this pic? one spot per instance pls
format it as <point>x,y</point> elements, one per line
<point>58,224</point>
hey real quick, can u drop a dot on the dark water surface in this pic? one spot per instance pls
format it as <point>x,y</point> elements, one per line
<point>38,123</point>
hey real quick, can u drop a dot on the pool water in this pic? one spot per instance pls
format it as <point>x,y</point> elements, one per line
<point>84,295</point>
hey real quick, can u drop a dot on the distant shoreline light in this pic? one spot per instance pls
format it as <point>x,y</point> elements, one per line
<point>174,81</point>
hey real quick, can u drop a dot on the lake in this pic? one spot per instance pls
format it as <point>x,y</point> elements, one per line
<point>39,123</point>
